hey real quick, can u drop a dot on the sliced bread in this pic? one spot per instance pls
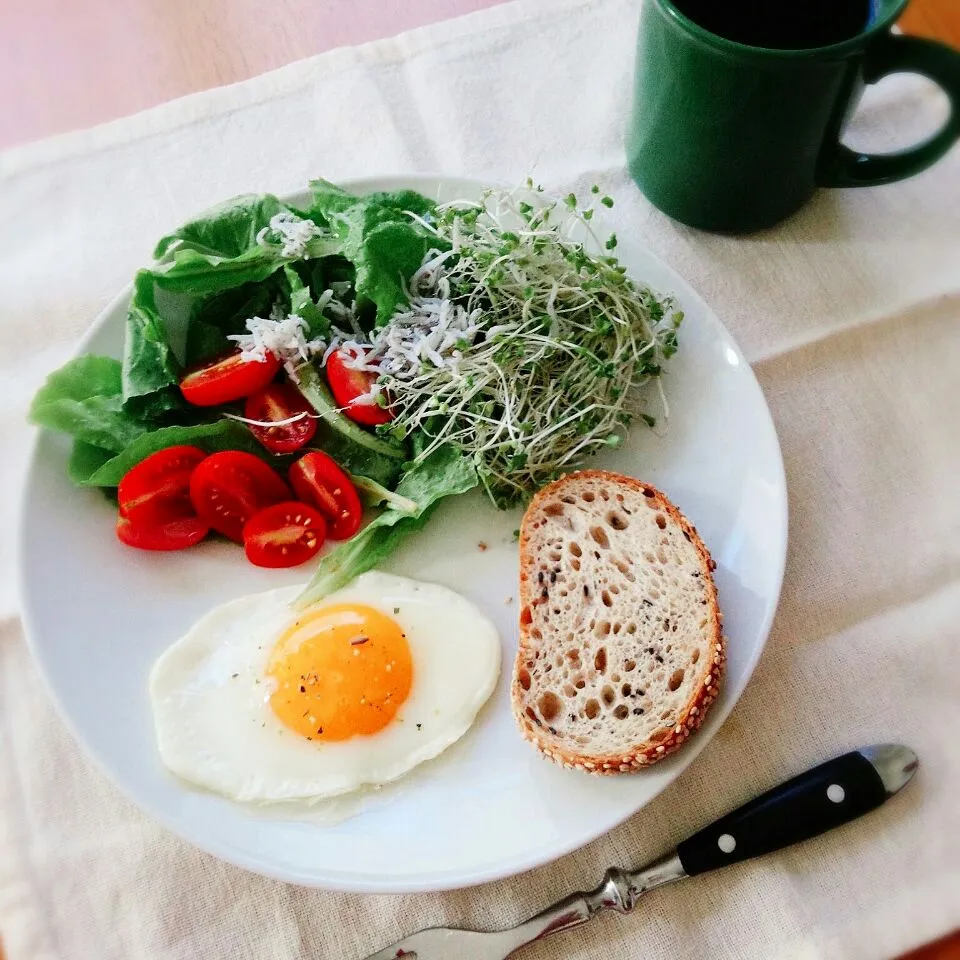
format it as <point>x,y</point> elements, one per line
<point>621,648</point>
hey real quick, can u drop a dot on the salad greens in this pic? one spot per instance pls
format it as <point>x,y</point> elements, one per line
<point>506,351</point>
<point>445,473</point>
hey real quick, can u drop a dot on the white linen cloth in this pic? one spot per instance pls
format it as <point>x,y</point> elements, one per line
<point>850,315</point>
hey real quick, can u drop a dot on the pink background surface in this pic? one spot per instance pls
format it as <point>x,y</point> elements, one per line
<point>66,64</point>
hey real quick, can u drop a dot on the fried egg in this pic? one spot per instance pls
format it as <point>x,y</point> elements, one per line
<point>263,703</point>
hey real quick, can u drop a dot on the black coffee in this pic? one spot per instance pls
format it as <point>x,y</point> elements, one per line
<point>778,25</point>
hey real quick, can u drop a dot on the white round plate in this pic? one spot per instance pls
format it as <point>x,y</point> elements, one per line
<point>98,614</point>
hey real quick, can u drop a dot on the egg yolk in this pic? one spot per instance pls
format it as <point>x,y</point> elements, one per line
<point>341,671</point>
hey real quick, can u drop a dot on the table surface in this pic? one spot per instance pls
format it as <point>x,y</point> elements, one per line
<point>64,66</point>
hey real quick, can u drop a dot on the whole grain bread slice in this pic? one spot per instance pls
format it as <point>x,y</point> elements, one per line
<point>621,647</point>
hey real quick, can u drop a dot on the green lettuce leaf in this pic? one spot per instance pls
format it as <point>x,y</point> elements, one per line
<point>209,437</point>
<point>302,303</point>
<point>219,249</point>
<point>215,317</point>
<point>100,421</point>
<point>80,378</point>
<point>445,473</point>
<point>83,398</point>
<point>85,460</point>
<point>151,373</point>
<point>385,244</point>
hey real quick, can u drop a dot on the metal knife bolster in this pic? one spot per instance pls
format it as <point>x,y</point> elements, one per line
<point>619,891</point>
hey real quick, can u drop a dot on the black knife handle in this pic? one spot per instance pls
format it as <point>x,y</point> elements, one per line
<point>806,806</point>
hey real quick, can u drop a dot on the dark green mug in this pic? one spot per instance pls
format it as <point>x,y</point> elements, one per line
<point>739,105</point>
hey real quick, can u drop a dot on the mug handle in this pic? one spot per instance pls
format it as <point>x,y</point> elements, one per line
<point>894,53</point>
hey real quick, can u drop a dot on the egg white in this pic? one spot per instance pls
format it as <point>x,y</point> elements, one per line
<point>210,694</point>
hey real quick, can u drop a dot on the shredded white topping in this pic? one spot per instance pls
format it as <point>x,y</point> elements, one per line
<point>433,330</point>
<point>283,335</point>
<point>293,232</point>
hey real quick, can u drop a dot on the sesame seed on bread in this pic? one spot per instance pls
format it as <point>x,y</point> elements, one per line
<point>621,647</point>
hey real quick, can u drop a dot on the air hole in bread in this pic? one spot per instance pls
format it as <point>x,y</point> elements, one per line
<point>664,716</point>
<point>589,496</point>
<point>617,520</point>
<point>568,691</point>
<point>604,493</point>
<point>653,593</point>
<point>622,711</point>
<point>624,568</point>
<point>676,678</point>
<point>647,492</point>
<point>579,683</point>
<point>606,598</point>
<point>649,557</point>
<point>602,629</point>
<point>568,499</point>
<point>591,708</point>
<point>662,557</point>
<point>526,617</point>
<point>608,695</point>
<point>617,627</point>
<point>574,548</point>
<point>549,705</point>
<point>661,521</point>
<point>626,689</point>
<point>600,537</point>
<point>695,656</point>
<point>631,628</point>
<point>555,556</point>
<point>574,656</point>
<point>600,660</point>
<point>553,509</point>
<point>614,589</point>
<point>535,633</point>
<point>575,565</point>
<point>524,678</point>
<point>529,712</point>
<point>558,660</point>
<point>629,665</point>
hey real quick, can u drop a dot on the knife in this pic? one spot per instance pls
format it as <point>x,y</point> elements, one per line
<point>812,803</point>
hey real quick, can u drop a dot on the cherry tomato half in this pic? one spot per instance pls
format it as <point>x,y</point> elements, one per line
<point>347,384</point>
<point>284,535</point>
<point>318,480</point>
<point>159,480</point>
<point>280,401</point>
<point>228,379</point>
<point>228,488</point>
<point>162,529</point>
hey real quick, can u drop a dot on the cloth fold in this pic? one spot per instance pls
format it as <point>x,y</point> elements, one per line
<point>848,312</point>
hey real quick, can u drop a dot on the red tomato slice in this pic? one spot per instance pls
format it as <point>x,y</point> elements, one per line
<point>170,531</point>
<point>159,480</point>
<point>228,488</point>
<point>231,378</point>
<point>347,384</point>
<point>317,479</point>
<point>284,535</point>
<point>280,401</point>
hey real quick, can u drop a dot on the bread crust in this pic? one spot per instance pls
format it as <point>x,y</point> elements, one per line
<point>691,716</point>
